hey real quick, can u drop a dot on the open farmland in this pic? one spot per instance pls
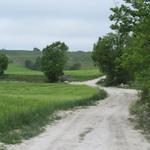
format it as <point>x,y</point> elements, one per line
<point>17,69</point>
<point>25,107</point>
<point>19,72</point>
<point>82,75</point>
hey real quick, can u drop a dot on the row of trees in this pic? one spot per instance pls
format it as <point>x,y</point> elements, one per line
<point>124,55</point>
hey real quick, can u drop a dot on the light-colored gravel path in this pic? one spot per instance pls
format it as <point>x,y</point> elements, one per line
<point>105,126</point>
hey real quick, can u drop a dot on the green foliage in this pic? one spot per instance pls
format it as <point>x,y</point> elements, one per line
<point>54,58</point>
<point>36,49</point>
<point>133,20</point>
<point>37,64</point>
<point>29,64</point>
<point>34,66</point>
<point>3,63</point>
<point>27,107</point>
<point>107,55</point>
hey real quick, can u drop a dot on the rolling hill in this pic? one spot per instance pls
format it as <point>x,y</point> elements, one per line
<point>19,57</point>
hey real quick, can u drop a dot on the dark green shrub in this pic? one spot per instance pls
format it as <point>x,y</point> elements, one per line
<point>3,63</point>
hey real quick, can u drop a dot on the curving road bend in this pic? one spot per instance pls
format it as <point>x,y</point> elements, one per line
<point>105,126</point>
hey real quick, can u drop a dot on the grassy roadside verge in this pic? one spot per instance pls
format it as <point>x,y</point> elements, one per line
<point>25,108</point>
<point>141,113</point>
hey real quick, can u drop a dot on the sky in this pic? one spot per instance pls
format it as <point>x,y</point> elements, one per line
<point>25,24</point>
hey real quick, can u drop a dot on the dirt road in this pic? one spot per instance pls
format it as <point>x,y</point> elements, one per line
<point>105,126</point>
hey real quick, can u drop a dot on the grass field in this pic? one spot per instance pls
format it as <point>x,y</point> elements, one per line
<point>73,75</point>
<point>21,70</point>
<point>82,75</point>
<point>25,107</point>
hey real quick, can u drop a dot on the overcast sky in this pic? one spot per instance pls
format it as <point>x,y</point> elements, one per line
<point>25,24</point>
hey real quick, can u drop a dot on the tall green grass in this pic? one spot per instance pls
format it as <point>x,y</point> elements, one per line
<point>26,107</point>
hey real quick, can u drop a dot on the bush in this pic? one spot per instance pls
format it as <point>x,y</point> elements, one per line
<point>3,63</point>
<point>34,66</point>
<point>76,66</point>
<point>29,64</point>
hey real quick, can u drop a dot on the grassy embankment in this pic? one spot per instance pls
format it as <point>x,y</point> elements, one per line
<point>141,111</point>
<point>25,107</point>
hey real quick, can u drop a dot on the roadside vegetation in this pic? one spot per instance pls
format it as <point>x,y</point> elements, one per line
<point>25,108</point>
<point>124,55</point>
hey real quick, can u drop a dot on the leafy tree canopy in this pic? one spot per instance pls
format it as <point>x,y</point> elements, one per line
<point>54,58</point>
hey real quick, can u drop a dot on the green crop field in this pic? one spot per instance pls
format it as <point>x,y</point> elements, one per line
<point>18,69</point>
<point>27,104</point>
<point>82,75</point>
<point>73,75</point>
<point>25,107</point>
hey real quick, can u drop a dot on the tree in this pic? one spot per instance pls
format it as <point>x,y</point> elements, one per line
<point>134,19</point>
<point>3,63</point>
<point>36,49</point>
<point>54,58</point>
<point>107,55</point>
